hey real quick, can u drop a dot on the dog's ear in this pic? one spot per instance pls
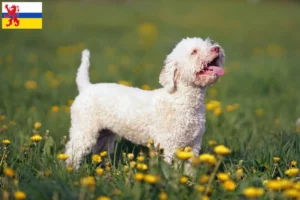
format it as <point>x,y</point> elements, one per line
<point>168,76</point>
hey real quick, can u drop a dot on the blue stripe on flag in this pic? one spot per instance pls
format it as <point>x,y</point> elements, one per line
<point>27,15</point>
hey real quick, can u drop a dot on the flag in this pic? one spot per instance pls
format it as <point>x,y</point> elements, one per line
<point>22,15</point>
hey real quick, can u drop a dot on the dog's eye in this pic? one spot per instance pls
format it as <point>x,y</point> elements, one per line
<point>194,51</point>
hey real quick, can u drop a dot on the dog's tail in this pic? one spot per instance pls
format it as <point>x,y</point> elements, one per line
<point>83,79</point>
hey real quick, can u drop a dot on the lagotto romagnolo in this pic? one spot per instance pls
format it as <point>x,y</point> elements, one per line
<point>173,115</point>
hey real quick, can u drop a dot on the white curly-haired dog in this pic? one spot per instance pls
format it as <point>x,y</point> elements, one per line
<point>173,116</point>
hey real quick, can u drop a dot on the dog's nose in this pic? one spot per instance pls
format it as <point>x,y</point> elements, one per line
<point>215,49</point>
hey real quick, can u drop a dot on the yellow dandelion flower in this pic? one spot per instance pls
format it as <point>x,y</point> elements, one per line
<point>223,176</point>
<point>96,158</point>
<point>69,169</point>
<point>236,106</point>
<point>229,185</point>
<point>49,75</point>
<point>279,184</point>
<point>116,192</point>
<point>203,179</point>
<point>292,172</point>
<point>147,30</point>
<point>276,159</point>
<point>163,196</point>
<point>16,182</point>
<point>139,177</point>
<point>70,102</point>
<point>152,153</point>
<point>4,127</point>
<point>6,142</point>
<point>130,156</point>
<point>293,163</point>
<point>297,186</point>
<point>275,50</point>
<point>182,155</point>
<point>107,168</point>
<point>132,164</point>
<point>212,142</point>
<point>148,178</point>
<point>103,154</point>
<point>126,83</point>
<point>183,179</point>
<point>62,156</point>
<point>36,138</point>
<point>54,83</point>
<point>200,188</point>
<point>99,171</point>
<point>216,103</point>
<point>195,160</point>
<point>209,106</point>
<point>9,172</point>
<point>103,198</point>
<point>212,92</point>
<point>259,112</point>
<point>66,109</point>
<point>205,198</point>
<point>37,125</point>
<point>151,142</point>
<point>88,181</point>
<point>208,158</point>
<point>140,158</point>
<point>274,185</point>
<point>292,193</point>
<point>222,150</point>
<point>187,149</point>
<point>218,111</point>
<point>54,109</point>
<point>212,105</point>
<point>146,87</point>
<point>47,172</point>
<point>108,164</point>
<point>229,108</point>
<point>109,51</point>
<point>142,166</point>
<point>2,118</point>
<point>239,173</point>
<point>75,183</point>
<point>30,84</point>
<point>277,122</point>
<point>126,168</point>
<point>19,195</point>
<point>253,192</point>
<point>12,123</point>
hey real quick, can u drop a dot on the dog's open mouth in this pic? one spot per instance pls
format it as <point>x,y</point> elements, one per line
<point>212,68</point>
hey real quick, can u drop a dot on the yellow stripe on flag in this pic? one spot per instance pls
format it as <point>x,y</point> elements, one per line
<point>25,23</point>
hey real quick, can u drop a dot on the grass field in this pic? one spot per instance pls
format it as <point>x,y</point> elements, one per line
<point>252,110</point>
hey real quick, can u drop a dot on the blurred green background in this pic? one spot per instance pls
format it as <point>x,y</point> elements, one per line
<point>252,109</point>
<point>129,40</point>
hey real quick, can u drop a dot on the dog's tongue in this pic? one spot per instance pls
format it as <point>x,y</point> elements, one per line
<point>215,70</point>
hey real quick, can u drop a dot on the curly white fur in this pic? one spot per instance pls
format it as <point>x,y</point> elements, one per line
<point>173,116</point>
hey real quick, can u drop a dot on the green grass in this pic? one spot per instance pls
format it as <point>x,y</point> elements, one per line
<point>261,42</point>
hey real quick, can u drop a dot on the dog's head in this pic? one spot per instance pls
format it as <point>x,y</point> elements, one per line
<point>193,62</point>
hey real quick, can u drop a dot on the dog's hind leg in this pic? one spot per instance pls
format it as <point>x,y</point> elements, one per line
<point>83,135</point>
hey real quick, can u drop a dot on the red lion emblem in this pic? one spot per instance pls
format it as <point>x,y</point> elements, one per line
<point>12,14</point>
